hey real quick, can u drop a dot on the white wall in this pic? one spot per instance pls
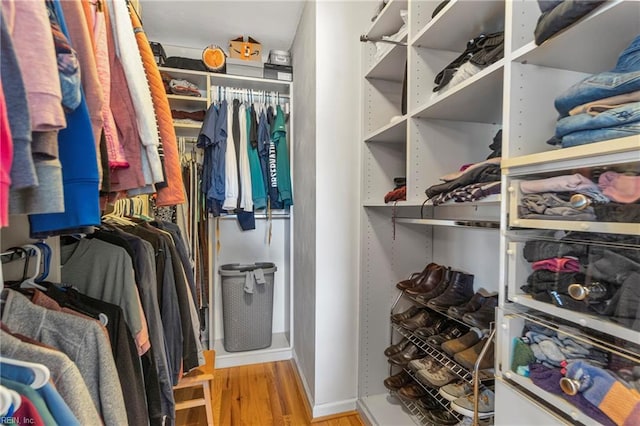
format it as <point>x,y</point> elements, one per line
<point>338,75</point>
<point>303,53</point>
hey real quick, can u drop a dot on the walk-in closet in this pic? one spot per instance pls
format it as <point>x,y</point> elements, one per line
<point>378,212</point>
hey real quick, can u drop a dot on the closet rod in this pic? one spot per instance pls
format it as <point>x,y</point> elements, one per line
<point>257,216</point>
<point>364,39</point>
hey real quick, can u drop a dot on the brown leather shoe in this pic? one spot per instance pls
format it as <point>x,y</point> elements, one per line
<point>412,391</point>
<point>448,277</point>
<point>421,319</point>
<point>410,353</point>
<point>405,315</point>
<point>416,278</point>
<point>430,281</point>
<point>398,347</point>
<point>397,381</point>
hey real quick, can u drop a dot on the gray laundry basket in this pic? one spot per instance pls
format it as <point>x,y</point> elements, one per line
<point>247,305</point>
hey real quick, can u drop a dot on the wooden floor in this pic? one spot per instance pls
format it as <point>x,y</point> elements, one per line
<point>259,395</point>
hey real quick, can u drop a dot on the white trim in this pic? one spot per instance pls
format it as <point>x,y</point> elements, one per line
<point>322,410</point>
<point>303,379</point>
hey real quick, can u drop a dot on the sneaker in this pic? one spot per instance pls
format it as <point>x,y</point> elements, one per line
<point>426,363</point>
<point>436,378</point>
<point>456,390</point>
<point>486,400</point>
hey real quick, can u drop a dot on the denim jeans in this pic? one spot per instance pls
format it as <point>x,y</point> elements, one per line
<point>620,116</point>
<point>596,135</point>
<point>624,78</point>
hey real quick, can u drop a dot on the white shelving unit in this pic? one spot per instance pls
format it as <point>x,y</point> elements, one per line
<point>453,126</point>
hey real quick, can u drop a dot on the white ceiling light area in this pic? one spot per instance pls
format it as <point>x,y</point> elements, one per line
<point>186,27</point>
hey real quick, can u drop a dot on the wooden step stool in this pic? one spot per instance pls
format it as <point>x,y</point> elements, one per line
<point>201,376</point>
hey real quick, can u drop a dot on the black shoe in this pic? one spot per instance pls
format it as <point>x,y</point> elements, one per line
<point>398,347</point>
<point>471,306</point>
<point>421,319</point>
<point>442,286</point>
<point>410,353</point>
<point>428,403</point>
<point>483,317</point>
<point>452,332</point>
<point>397,381</point>
<point>436,328</point>
<point>460,291</point>
<point>441,417</point>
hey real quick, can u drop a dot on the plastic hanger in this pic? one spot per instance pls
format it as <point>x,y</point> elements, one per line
<point>46,260</point>
<point>6,402</point>
<point>29,282</point>
<point>40,372</point>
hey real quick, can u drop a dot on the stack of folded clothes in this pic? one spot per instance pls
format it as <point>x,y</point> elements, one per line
<point>587,377</point>
<point>480,52</point>
<point>559,14</point>
<point>599,277</point>
<point>602,106</point>
<point>614,198</point>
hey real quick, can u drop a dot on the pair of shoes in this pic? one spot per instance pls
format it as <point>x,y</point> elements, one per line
<point>450,333</point>
<point>412,391</point>
<point>455,390</point>
<point>441,417</point>
<point>398,347</point>
<point>437,326</point>
<point>416,278</point>
<point>466,308</point>
<point>468,357</point>
<point>483,317</point>
<point>436,377</point>
<point>468,421</point>
<point>421,319</point>
<point>459,291</point>
<point>428,403</point>
<point>410,353</point>
<point>430,281</point>
<point>463,342</point>
<point>405,315</point>
<point>397,381</point>
<point>486,402</point>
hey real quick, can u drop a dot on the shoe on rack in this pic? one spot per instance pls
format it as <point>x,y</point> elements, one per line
<point>441,417</point>
<point>426,363</point>
<point>421,319</point>
<point>397,381</point>
<point>448,278</point>
<point>486,402</point>
<point>428,403</point>
<point>468,357</point>
<point>459,291</point>
<point>410,353</point>
<point>398,347</point>
<point>463,342</point>
<point>436,378</point>
<point>435,328</point>
<point>471,306</point>
<point>416,278</point>
<point>452,332</point>
<point>455,390</point>
<point>429,281</point>
<point>405,315</point>
<point>483,317</point>
<point>412,391</point>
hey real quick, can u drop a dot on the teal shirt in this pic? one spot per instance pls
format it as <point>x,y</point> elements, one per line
<point>279,138</point>
<point>258,187</point>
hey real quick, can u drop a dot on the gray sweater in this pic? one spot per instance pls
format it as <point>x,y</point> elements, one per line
<point>82,340</point>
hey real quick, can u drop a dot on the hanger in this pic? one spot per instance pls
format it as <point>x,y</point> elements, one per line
<point>46,260</point>
<point>29,282</point>
<point>6,402</point>
<point>41,373</point>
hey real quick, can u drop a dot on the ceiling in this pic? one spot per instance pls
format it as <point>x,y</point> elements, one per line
<point>196,24</point>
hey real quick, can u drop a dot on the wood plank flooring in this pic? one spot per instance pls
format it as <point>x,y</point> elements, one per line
<point>260,395</point>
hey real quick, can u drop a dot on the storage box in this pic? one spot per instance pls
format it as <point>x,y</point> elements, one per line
<point>278,72</point>
<point>244,68</point>
<point>247,305</point>
<point>279,57</point>
<point>250,50</point>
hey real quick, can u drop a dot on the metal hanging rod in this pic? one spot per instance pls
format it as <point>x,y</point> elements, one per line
<point>364,38</point>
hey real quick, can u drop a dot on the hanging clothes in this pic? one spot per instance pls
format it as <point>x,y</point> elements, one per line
<point>258,191</point>
<point>279,139</point>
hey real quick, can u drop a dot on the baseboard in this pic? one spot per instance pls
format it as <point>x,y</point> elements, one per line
<point>334,416</point>
<point>338,407</point>
<point>302,383</point>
